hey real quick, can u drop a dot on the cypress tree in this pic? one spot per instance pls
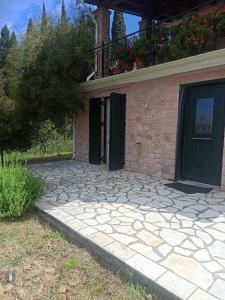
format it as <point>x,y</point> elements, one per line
<point>118,32</point>
<point>4,45</point>
<point>30,26</point>
<point>118,26</point>
<point>64,20</point>
<point>44,20</point>
<point>13,40</point>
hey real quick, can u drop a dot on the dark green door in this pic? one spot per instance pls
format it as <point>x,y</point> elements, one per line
<point>95,131</point>
<point>203,134</point>
<point>117,131</point>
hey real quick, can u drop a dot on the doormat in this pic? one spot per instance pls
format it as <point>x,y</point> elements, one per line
<point>188,189</point>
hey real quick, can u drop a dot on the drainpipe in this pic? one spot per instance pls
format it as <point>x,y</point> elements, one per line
<point>90,13</point>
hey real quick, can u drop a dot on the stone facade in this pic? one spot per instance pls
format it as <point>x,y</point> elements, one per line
<point>151,119</point>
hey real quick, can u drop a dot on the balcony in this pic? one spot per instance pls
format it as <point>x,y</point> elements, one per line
<point>184,35</point>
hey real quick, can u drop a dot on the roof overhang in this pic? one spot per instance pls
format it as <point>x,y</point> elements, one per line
<point>159,9</point>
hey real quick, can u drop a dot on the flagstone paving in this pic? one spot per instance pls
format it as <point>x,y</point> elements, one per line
<point>177,240</point>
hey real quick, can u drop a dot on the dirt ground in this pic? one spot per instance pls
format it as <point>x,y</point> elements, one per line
<point>37,263</point>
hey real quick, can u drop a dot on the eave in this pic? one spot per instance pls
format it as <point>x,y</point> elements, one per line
<point>151,8</point>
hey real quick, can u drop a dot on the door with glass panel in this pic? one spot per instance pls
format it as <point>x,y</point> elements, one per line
<point>203,134</point>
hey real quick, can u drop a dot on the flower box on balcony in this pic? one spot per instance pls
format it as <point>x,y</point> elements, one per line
<point>116,69</point>
<point>191,35</point>
<point>123,58</point>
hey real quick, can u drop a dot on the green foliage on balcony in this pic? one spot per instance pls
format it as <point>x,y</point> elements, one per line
<point>185,37</point>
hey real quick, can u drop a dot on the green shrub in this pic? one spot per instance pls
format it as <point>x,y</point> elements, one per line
<point>18,189</point>
<point>45,135</point>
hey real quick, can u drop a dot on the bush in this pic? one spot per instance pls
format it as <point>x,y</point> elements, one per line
<point>45,135</point>
<point>18,190</point>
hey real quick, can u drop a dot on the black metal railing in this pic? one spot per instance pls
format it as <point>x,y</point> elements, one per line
<point>195,31</point>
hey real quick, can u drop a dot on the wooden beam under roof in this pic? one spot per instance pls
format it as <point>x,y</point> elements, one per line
<point>133,7</point>
<point>159,9</point>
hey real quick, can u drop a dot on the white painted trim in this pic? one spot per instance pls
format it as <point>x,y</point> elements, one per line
<point>193,63</point>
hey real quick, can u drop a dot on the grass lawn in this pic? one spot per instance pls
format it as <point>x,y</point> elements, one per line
<point>58,149</point>
<point>46,266</point>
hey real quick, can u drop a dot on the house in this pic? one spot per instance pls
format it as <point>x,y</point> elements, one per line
<point>166,117</point>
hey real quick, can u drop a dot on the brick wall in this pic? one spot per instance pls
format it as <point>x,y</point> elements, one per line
<point>152,111</point>
<point>103,18</point>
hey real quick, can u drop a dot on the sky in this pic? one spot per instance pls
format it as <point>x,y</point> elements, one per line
<point>16,13</point>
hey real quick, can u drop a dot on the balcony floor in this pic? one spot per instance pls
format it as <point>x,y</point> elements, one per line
<point>174,239</point>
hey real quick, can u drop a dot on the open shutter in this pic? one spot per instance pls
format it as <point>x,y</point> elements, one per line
<point>95,131</point>
<point>117,131</point>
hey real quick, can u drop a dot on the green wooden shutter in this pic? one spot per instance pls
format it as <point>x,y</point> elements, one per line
<point>95,131</point>
<point>117,131</point>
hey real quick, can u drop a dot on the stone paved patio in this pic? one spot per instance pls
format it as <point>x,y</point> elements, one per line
<point>175,239</point>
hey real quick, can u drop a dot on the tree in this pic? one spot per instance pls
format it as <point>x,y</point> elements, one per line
<point>7,123</point>
<point>64,20</point>
<point>4,50</point>
<point>15,132</point>
<point>14,128</point>
<point>45,134</point>
<point>44,20</point>
<point>84,38</point>
<point>118,26</point>
<point>51,90</point>
<point>4,46</point>
<point>14,69</point>
<point>31,45</point>
<point>30,27</point>
<point>13,40</point>
<point>118,30</point>
<point>44,73</point>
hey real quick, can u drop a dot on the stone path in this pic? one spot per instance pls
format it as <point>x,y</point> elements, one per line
<point>175,239</point>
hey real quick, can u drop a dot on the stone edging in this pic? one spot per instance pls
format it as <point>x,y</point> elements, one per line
<point>106,258</point>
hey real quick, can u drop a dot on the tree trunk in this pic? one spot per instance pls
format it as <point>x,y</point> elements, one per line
<point>2,156</point>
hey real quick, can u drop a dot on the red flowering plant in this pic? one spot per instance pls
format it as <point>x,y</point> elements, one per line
<point>184,37</point>
<point>189,36</point>
<point>195,31</point>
